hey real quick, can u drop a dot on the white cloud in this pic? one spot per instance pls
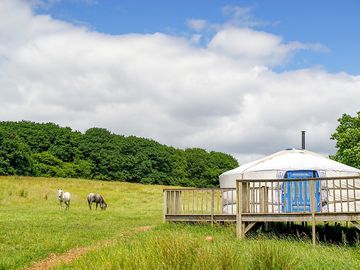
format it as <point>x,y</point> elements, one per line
<point>241,16</point>
<point>253,46</point>
<point>197,24</point>
<point>222,97</point>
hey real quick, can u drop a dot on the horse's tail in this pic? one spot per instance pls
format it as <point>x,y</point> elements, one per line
<point>90,200</point>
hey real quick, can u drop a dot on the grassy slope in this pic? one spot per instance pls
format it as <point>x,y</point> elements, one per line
<point>32,226</point>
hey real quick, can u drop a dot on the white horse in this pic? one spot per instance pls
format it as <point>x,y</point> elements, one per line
<point>64,197</point>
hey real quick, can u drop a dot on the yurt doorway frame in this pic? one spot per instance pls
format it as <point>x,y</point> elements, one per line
<point>295,195</point>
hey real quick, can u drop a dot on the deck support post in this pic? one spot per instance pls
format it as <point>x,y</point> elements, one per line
<point>264,203</point>
<point>313,208</point>
<point>239,225</point>
<point>242,206</point>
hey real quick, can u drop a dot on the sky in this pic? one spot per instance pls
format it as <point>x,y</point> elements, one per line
<point>242,77</point>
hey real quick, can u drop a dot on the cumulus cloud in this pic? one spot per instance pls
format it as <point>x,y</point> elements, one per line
<point>253,46</point>
<point>223,96</point>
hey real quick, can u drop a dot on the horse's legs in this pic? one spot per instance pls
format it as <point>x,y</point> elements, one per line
<point>67,205</point>
<point>97,205</point>
<point>89,202</point>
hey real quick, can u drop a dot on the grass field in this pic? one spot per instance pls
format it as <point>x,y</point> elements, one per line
<point>32,225</point>
<point>33,228</point>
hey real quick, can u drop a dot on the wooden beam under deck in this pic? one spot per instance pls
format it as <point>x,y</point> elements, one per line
<point>200,217</point>
<point>267,217</point>
<point>300,217</point>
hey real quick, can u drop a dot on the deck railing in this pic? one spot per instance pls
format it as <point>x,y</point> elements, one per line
<point>208,203</point>
<point>320,195</point>
<point>308,199</point>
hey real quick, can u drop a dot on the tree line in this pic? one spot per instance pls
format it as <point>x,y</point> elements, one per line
<point>49,150</point>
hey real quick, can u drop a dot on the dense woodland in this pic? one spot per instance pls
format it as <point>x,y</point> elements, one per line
<point>37,149</point>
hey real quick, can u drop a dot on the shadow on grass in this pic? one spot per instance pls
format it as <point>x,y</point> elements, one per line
<point>338,234</point>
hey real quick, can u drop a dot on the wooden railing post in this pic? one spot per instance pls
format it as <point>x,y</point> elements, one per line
<point>313,208</point>
<point>165,205</point>
<point>177,201</point>
<point>221,202</point>
<point>212,207</point>
<point>244,198</point>
<point>239,231</point>
<point>264,200</point>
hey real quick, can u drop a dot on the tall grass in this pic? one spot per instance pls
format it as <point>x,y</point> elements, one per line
<point>178,247</point>
<point>266,256</point>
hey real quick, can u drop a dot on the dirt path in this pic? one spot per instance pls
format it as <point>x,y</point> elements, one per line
<point>75,253</point>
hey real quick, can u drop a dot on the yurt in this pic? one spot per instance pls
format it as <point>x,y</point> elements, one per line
<point>293,163</point>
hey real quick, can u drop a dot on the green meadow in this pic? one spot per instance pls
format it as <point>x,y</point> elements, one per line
<point>130,233</point>
<point>32,224</point>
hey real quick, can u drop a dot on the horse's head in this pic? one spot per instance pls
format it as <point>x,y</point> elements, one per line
<point>103,206</point>
<point>60,193</point>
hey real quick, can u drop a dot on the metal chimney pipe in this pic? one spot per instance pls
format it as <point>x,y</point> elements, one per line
<point>303,139</point>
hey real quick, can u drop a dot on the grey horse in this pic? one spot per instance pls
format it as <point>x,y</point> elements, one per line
<point>98,199</point>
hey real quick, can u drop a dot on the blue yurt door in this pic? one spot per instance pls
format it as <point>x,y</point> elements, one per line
<point>296,194</point>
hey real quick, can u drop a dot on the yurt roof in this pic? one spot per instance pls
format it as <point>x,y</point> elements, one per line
<point>292,159</point>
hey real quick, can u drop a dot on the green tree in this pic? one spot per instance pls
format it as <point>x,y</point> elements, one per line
<point>102,149</point>
<point>197,162</point>
<point>46,149</point>
<point>347,136</point>
<point>15,155</point>
<point>218,163</point>
<point>41,137</point>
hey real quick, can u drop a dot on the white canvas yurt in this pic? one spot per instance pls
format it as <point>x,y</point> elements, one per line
<point>290,162</point>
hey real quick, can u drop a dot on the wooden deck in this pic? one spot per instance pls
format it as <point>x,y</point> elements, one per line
<point>310,200</point>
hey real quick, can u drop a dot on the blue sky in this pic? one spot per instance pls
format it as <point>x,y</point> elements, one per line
<point>228,76</point>
<point>335,24</point>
